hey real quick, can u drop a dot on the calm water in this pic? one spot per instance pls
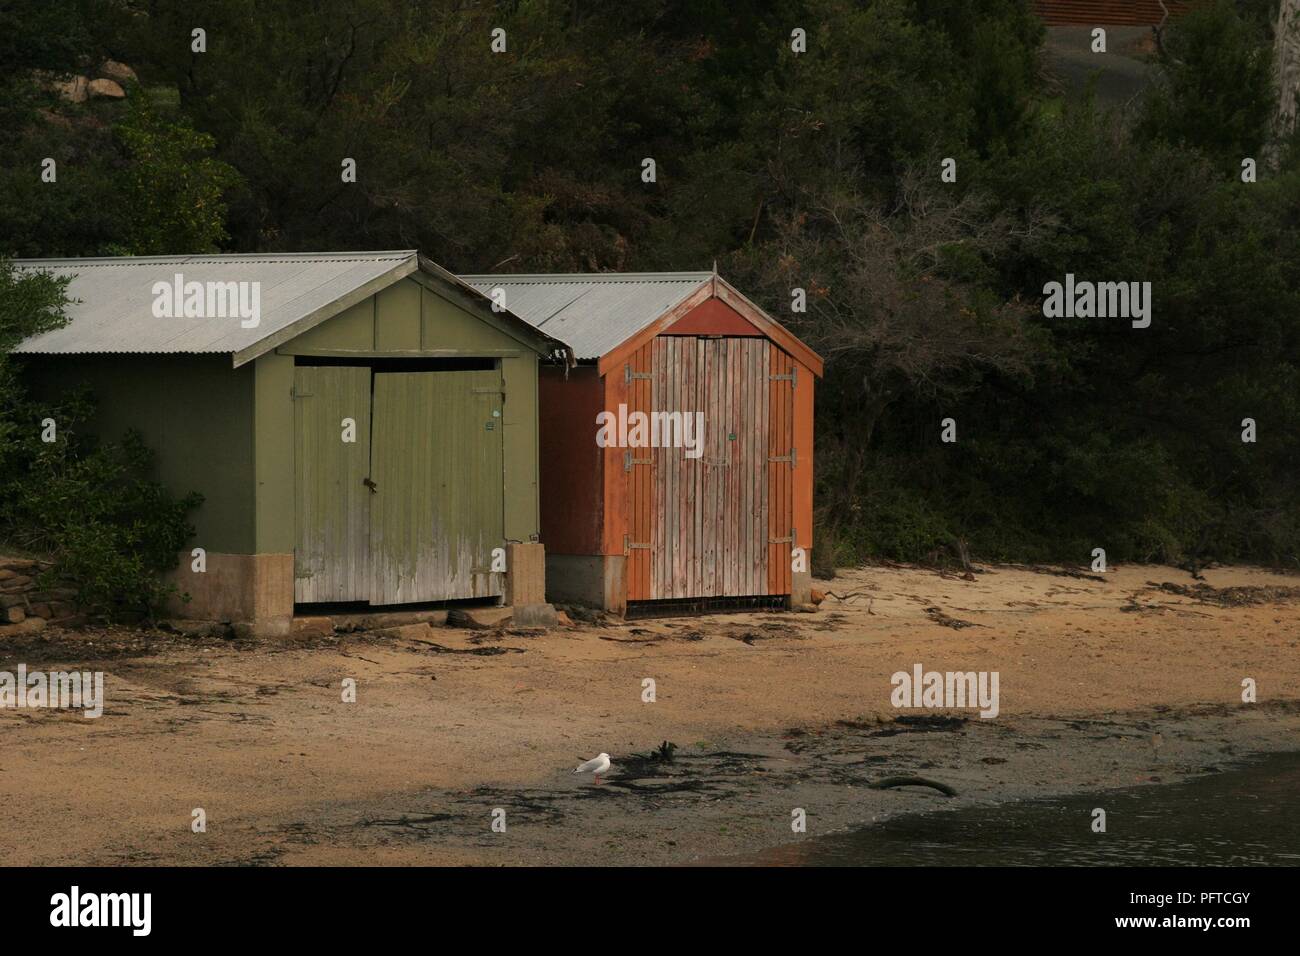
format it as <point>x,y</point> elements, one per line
<point>1248,815</point>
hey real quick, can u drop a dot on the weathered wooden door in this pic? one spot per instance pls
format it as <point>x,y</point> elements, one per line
<point>331,462</point>
<point>701,519</point>
<point>782,459</point>
<point>437,502</point>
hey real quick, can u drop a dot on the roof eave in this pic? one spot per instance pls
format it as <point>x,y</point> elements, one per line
<point>688,301</point>
<point>508,322</point>
<point>716,286</point>
<point>784,337</point>
<point>423,270</point>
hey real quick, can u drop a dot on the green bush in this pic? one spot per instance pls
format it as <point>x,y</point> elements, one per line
<point>110,529</point>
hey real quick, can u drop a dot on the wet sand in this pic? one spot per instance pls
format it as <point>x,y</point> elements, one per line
<point>1130,678</point>
<point>1245,814</point>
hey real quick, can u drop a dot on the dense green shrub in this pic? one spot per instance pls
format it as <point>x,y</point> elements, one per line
<point>93,507</point>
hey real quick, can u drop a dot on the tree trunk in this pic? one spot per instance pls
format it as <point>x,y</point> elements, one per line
<point>1286,66</point>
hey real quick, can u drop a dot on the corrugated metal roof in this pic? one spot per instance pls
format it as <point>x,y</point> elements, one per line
<point>115,308</point>
<point>593,312</point>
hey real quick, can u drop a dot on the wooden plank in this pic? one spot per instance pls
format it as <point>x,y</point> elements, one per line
<point>437,512</point>
<point>762,389</point>
<point>332,508</point>
<point>782,402</point>
<point>697,491</point>
<point>646,454</point>
<point>783,524</point>
<point>681,477</point>
<point>744,427</point>
<point>787,501</point>
<point>730,565</point>
<point>774,468</point>
<point>774,400</point>
<point>661,539</point>
<point>645,471</point>
<point>736,454</point>
<point>720,427</point>
<point>765,365</point>
<point>655,557</point>
<point>801,507</point>
<point>710,504</point>
<point>722,388</point>
<point>684,357</point>
<point>637,568</point>
<point>614,506</point>
<point>726,523</point>
<point>755,469</point>
<point>710,565</point>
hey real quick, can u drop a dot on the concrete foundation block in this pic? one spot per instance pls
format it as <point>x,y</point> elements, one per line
<point>525,573</point>
<point>590,580</point>
<point>800,589</point>
<point>247,589</point>
<point>535,615</point>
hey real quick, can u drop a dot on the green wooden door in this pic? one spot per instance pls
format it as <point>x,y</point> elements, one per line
<point>331,517</point>
<point>437,509</point>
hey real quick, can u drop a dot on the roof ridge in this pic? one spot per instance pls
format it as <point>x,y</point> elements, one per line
<point>585,276</point>
<point>112,261</point>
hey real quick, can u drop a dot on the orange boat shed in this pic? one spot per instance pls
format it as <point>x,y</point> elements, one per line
<point>703,501</point>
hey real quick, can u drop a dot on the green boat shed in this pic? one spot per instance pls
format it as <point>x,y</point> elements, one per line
<point>363,427</point>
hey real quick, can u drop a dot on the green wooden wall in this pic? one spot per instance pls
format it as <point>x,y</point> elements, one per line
<point>194,411</point>
<point>407,319</point>
<point>229,433</point>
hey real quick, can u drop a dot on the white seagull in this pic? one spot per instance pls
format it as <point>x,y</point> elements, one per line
<point>595,766</point>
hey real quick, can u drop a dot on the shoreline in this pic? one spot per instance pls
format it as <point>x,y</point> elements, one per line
<point>732,804</point>
<point>1255,795</point>
<point>1134,678</point>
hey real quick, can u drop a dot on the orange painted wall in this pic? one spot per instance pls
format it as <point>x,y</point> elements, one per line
<point>803,442</point>
<point>713,317</point>
<point>571,463</point>
<point>616,477</point>
<point>585,488</point>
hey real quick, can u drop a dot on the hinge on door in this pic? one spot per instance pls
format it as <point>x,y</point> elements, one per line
<point>792,378</point>
<point>792,458</point>
<point>629,461</point>
<point>628,374</point>
<point>294,394</point>
<point>789,540</point>
<point>629,545</point>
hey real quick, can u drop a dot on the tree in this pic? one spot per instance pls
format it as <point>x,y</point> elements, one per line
<point>169,191</point>
<point>1215,92</point>
<point>30,303</point>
